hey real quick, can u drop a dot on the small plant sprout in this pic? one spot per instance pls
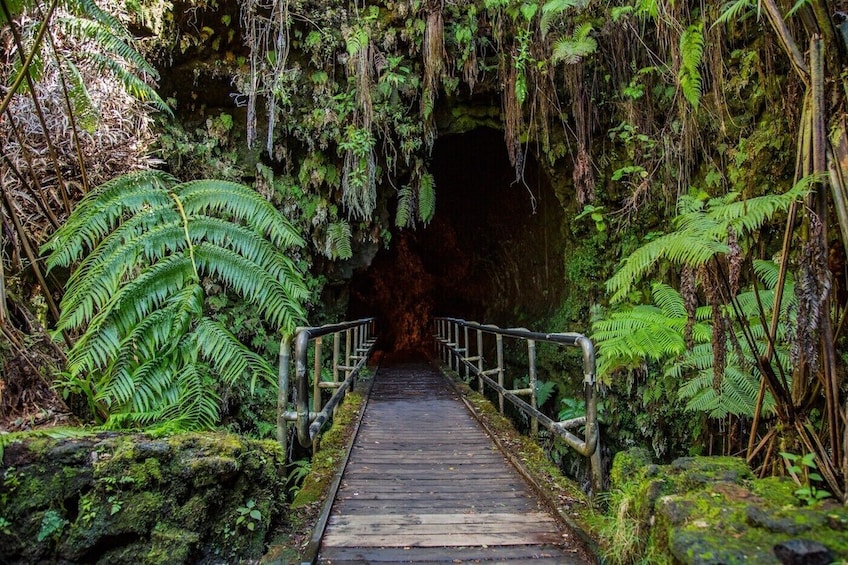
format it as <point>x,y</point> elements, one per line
<point>249,515</point>
<point>804,470</point>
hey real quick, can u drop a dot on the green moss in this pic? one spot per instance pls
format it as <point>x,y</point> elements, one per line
<point>171,545</point>
<point>332,449</point>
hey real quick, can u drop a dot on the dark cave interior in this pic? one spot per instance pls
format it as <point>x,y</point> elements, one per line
<point>492,252</point>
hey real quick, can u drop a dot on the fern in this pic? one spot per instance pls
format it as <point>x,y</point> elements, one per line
<point>338,245</point>
<point>114,51</point>
<point>554,9</point>
<point>571,50</point>
<point>691,53</point>
<point>426,198</point>
<point>147,354</point>
<point>629,338</point>
<point>701,233</point>
<point>734,11</point>
<point>405,208</point>
<point>86,114</point>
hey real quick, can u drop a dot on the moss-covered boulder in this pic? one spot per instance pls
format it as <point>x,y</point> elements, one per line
<point>110,497</point>
<point>702,510</point>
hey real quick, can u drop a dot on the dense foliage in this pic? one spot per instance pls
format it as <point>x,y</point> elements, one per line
<point>699,150</point>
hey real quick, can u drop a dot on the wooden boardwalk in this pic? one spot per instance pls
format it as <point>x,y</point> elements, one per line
<point>425,484</point>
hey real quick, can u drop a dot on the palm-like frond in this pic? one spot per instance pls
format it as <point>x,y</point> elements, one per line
<point>147,353</point>
<point>570,50</point>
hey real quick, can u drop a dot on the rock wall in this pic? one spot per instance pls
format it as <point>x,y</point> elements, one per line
<point>120,498</point>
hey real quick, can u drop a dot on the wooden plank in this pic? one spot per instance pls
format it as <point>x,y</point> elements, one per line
<point>415,519</point>
<point>439,539</point>
<point>536,553</point>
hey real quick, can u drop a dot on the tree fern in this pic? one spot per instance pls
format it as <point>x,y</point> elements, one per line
<point>630,337</point>
<point>691,52</point>
<point>701,233</point>
<point>146,244</point>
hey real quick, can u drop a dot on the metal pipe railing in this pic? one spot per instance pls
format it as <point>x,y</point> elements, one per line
<point>449,350</point>
<point>358,346</point>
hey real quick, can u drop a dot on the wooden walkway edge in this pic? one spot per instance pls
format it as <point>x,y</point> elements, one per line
<point>425,484</point>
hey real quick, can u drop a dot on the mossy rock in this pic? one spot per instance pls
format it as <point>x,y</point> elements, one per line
<point>108,497</point>
<point>710,510</point>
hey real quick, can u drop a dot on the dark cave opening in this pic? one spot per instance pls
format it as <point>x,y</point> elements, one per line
<point>491,253</point>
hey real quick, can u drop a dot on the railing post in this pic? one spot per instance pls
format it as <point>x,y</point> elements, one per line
<point>467,352</point>
<point>347,351</point>
<point>316,386</point>
<point>531,356</point>
<point>335,362</point>
<point>499,339</point>
<point>283,392</point>
<point>480,385</point>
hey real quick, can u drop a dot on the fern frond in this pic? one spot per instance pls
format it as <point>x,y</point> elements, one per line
<point>227,199</point>
<point>104,37</point>
<point>571,50</point>
<point>90,10</point>
<point>278,300</point>
<point>679,248</point>
<point>228,356</point>
<point>734,11</point>
<point>100,211</point>
<point>554,9</point>
<point>669,300</point>
<point>426,198</point>
<point>691,53</point>
<point>405,208</point>
<point>338,241</point>
<point>138,295</point>
<point>85,112</point>
<point>135,86</point>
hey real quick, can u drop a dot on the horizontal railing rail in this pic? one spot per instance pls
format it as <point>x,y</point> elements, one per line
<point>359,342</point>
<point>454,346</point>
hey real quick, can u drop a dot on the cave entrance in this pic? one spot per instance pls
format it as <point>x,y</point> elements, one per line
<point>492,252</point>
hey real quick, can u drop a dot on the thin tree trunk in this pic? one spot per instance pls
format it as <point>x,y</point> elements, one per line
<point>33,258</point>
<point>51,148</point>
